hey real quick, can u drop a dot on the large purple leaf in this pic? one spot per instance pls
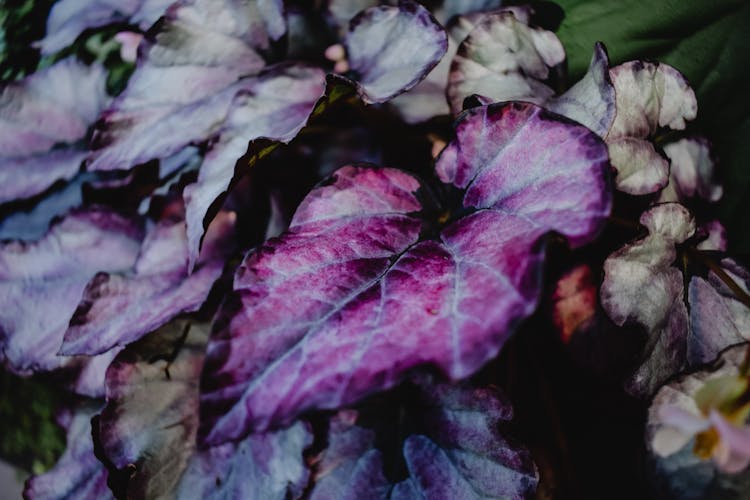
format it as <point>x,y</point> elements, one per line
<point>117,309</point>
<point>351,275</point>
<point>459,452</point>
<point>274,105</point>
<point>391,49</point>
<point>69,18</point>
<point>78,473</point>
<point>158,113</point>
<point>650,97</point>
<point>42,282</point>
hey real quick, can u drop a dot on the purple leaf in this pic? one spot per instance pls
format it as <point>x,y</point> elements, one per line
<point>504,59</point>
<point>48,108</point>
<point>671,436</point>
<point>692,171</point>
<point>650,96</point>
<point>70,18</point>
<point>54,105</point>
<point>460,452</point>
<point>147,429</point>
<point>274,105</point>
<point>42,282</point>
<point>78,473</point>
<point>266,466</point>
<point>150,419</point>
<point>26,176</point>
<point>117,309</point>
<point>391,49</point>
<point>717,318</point>
<point>351,275</point>
<point>158,114</point>
<point>641,286</point>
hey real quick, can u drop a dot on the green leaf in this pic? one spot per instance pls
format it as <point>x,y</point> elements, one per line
<point>709,43</point>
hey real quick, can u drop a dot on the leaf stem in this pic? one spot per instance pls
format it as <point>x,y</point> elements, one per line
<point>738,291</point>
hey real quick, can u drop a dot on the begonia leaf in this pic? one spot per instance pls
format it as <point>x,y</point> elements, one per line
<point>117,309</point>
<point>78,473</point>
<point>684,328</point>
<point>504,59</point>
<point>52,107</point>
<point>641,286</point>
<point>691,172</point>
<point>458,451</point>
<point>366,285</point>
<point>427,99</point>
<point>41,282</point>
<point>672,441</point>
<point>268,466</point>
<point>718,319</point>
<point>649,97</point>
<point>69,18</point>
<point>274,106</point>
<point>157,114</point>
<point>147,428</point>
<point>391,49</point>
<point>26,176</point>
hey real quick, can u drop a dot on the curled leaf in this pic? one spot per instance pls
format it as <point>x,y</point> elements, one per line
<point>457,451</point>
<point>158,114</point>
<point>391,49</point>
<point>42,282</point>
<point>78,473</point>
<point>650,97</point>
<point>117,309</point>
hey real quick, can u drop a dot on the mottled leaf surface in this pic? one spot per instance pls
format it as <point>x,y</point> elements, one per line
<point>41,282</point>
<point>685,328</point>
<point>650,97</point>
<point>692,171</point>
<point>459,452</point>
<point>182,88</point>
<point>151,418</point>
<point>641,286</point>
<point>117,309</point>
<point>391,49</point>
<point>360,275</point>
<point>78,473</point>
<point>503,59</point>
<point>268,466</point>
<point>54,106</point>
